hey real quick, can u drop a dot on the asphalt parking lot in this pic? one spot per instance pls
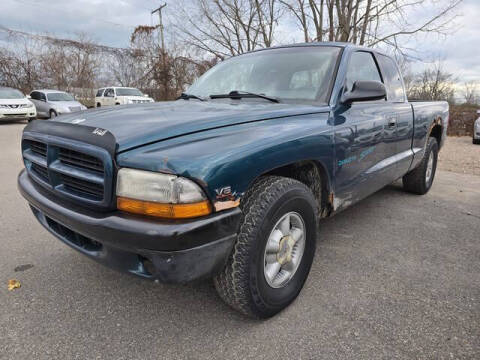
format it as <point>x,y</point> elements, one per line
<point>396,276</point>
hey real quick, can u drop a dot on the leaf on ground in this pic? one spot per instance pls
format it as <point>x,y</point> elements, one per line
<point>13,284</point>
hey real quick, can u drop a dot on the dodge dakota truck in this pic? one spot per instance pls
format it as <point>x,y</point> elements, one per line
<point>230,180</point>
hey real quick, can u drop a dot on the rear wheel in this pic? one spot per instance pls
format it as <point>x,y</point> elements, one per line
<point>420,180</point>
<point>99,105</point>
<point>476,141</point>
<point>274,249</point>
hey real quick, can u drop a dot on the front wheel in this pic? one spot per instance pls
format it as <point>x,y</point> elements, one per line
<point>475,141</point>
<point>53,114</point>
<point>420,180</point>
<point>274,249</point>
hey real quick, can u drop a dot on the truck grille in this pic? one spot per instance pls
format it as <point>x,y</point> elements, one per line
<point>69,172</point>
<point>79,160</point>
<point>82,187</point>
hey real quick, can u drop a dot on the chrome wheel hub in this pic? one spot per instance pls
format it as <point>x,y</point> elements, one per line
<point>284,249</point>
<point>428,174</point>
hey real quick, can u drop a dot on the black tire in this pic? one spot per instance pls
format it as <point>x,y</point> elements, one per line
<point>242,283</point>
<point>99,105</point>
<point>475,141</point>
<point>53,114</point>
<point>416,180</point>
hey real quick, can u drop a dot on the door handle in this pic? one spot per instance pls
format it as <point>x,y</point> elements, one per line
<point>392,122</point>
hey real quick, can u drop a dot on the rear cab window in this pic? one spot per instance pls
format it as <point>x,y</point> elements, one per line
<point>393,79</point>
<point>100,93</point>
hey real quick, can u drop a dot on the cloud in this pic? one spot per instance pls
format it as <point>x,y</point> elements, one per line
<point>111,23</point>
<point>108,22</point>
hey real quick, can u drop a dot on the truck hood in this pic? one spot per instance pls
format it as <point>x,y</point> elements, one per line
<point>137,125</point>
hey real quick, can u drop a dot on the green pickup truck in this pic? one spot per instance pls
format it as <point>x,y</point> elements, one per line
<point>230,181</point>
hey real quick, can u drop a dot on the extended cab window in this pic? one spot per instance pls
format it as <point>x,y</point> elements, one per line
<point>362,67</point>
<point>99,93</point>
<point>393,80</point>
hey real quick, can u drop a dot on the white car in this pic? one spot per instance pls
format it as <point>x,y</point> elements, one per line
<point>476,129</point>
<point>15,106</point>
<point>120,96</point>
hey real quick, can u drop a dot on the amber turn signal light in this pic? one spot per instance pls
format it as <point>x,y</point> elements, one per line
<point>167,211</point>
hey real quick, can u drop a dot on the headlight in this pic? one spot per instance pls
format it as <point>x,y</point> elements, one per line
<point>161,195</point>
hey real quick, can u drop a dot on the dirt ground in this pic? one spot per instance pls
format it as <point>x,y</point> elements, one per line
<point>460,155</point>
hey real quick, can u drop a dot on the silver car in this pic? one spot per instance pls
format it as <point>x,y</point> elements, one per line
<point>476,129</point>
<point>51,103</point>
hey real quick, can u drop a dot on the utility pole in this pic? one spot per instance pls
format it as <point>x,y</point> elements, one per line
<point>163,52</point>
<point>159,10</point>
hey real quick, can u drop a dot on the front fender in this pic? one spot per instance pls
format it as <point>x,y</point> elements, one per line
<point>233,157</point>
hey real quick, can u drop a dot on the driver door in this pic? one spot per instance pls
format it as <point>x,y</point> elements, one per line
<point>363,140</point>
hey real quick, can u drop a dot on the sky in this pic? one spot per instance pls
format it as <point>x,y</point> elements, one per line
<point>110,22</point>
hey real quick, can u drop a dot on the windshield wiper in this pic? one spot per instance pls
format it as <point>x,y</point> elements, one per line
<point>235,94</point>
<point>186,96</point>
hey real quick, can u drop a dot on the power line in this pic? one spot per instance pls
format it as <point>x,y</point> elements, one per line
<point>59,40</point>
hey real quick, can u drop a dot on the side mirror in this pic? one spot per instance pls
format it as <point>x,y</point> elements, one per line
<point>364,91</point>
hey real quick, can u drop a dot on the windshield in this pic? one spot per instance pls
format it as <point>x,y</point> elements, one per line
<point>128,92</point>
<point>295,73</point>
<point>60,97</point>
<point>6,93</point>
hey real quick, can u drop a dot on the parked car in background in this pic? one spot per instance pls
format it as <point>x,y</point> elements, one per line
<point>15,106</point>
<point>120,96</point>
<point>51,103</point>
<point>476,129</point>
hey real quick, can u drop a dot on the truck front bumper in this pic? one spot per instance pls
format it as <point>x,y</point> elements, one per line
<point>168,251</point>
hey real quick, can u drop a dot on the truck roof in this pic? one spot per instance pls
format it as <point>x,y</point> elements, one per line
<point>324,43</point>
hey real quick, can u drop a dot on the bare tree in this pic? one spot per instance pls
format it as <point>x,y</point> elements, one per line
<point>19,66</point>
<point>433,84</point>
<point>228,27</point>
<point>369,22</point>
<point>470,93</point>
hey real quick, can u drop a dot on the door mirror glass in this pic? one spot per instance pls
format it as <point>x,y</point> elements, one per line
<point>365,91</point>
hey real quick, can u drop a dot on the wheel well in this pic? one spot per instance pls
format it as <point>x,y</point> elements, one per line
<point>313,175</point>
<point>436,132</point>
